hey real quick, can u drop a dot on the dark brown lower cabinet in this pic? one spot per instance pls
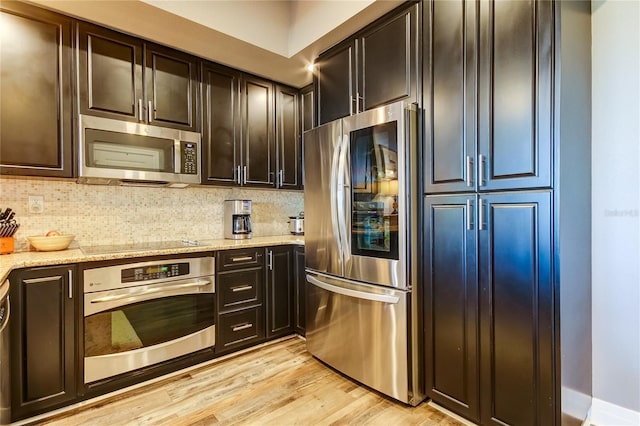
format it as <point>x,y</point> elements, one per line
<point>43,342</point>
<point>240,298</point>
<point>489,306</point>
<point>299,280</point>
<point>279,291</point>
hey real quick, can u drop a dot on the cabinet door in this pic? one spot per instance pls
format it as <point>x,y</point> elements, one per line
<point>335,82</point>
<point>221,125</point>
<point>171,82</point>
<point>35,92</point>
<point>451,303</point>
<point>279,291</point>
<point>515,94</point>
<point>110,74</point>
<point>450,58</point>
<point>307,119</point>
<point>42,340</point>
<point>258,142</point>
<point>387,61</point>
<point>299,280</point>
<point>288,138</point>
<point>516,309</point>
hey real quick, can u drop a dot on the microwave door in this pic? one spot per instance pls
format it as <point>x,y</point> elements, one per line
<point>321,194</point>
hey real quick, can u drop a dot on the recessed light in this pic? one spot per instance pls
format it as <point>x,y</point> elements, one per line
<point>310,68</point>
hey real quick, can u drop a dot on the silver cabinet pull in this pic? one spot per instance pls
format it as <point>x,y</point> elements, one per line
<point>236,177</point>
<point>270,260</point>
<point>481,215</point>
<point>352,110</point>
<point>244,175</point>
<point>242,327</point>
<point>481,169</point>
<point>280,178</point>
<point>140,110</point>
<point>359,103</point>
<point>150,112</point>
<point>241,259</point>
<point>469,171</point>
<point>70,284</point>
<point>469,215</point>
<point>241,288</point>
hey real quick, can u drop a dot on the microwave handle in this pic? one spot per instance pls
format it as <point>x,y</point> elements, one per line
<point>177,159</point>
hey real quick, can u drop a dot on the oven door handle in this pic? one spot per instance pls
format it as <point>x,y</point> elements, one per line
<point>142,294</point>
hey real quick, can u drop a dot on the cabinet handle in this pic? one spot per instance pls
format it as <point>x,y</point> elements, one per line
<point>359,103</point>
<point>150,112</point>
<point>469,215</point>
<point>236,177</point>
<point>70,283</point>
<point>481,215</point>
<point>352,109</point>
<point>469,171</point>
<point>242,327</point>
<point>244,175</point>
<point>270,260</point>
<point>241,288</point>
<point>481,169</point>
<point>241,259</point>
<point>281,178</point>
<point>140,110</point>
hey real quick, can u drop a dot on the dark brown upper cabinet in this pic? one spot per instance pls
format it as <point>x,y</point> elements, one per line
<point>377,66</point>
<point>125,78</point>
<point>288,138</point>
<point>250,130</point>
<point>221,125</point>
<point>258,132</point>
<point>35,92</point>
<point>488,98</point>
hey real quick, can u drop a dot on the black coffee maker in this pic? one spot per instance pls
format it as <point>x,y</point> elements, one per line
<point>237,219</point>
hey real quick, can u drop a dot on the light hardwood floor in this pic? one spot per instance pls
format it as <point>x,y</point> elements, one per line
<point>278,384</point>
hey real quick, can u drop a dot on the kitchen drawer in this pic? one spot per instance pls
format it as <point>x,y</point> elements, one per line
<point>240,328</point>
<point>240,258</point>
<point>238,288</point>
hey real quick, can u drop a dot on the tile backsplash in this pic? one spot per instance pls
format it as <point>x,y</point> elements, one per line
<point>99,215</point>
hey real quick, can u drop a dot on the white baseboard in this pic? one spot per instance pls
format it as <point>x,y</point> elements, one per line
<point>607,414</point>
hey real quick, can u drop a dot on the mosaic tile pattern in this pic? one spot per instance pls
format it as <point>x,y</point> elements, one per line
<point>99,215</point>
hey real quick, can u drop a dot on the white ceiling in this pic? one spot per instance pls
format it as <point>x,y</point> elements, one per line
<point>276,39</point>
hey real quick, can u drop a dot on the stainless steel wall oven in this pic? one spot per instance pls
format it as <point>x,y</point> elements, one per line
<point>140,314</point>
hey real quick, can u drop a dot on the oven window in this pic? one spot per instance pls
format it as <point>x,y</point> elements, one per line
<point>148,323</point>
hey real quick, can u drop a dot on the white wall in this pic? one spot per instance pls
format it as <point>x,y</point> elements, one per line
<point>615,208</point>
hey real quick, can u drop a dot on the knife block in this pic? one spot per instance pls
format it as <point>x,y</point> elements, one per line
<point>6,245</point>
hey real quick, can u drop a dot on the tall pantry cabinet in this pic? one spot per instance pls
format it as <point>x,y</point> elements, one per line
<point>506,209</point>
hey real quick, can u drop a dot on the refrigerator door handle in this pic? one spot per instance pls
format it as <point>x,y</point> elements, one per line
<point>335,190</point>
<point>343,202</point>
<point>385,298</point>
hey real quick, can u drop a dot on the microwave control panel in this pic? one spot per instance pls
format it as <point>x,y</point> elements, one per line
<point>189,158</point>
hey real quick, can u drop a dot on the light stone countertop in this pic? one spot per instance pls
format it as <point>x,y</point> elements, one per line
<point>9,262</point>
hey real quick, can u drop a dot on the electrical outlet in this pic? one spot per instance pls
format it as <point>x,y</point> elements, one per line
<point>36,204</point>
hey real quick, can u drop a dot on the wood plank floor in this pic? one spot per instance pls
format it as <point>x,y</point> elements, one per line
<point>278,384</point>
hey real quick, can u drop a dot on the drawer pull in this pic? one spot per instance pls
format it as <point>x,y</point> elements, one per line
<point>241,288</point>
<point>241,259</point>
<point>242,327</point>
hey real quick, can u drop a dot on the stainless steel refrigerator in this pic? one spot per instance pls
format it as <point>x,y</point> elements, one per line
<point>361,245</point>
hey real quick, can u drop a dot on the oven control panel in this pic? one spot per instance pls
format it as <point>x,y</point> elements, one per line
<point>154,272</point>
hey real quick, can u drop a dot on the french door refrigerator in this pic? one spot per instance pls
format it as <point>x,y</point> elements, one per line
<point>361,242</point>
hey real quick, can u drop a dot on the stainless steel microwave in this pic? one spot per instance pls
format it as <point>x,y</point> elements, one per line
<point>114,152</point>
